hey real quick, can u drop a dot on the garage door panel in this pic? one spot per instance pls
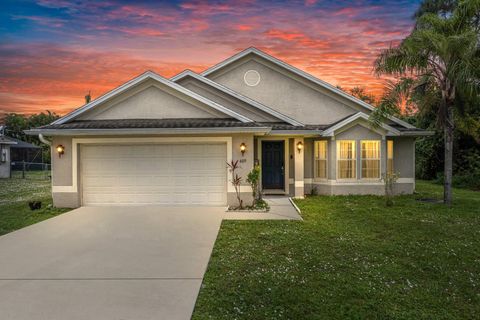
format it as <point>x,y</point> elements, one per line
<point>182,174</point>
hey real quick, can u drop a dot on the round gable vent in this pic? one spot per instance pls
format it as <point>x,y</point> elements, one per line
<point>251,78</point>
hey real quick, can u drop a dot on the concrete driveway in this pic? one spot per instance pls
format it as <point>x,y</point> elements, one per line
<point>108,263</point>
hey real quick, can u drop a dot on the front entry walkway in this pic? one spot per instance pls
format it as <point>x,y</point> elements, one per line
<point>108,263</point>
<point>281,208</point>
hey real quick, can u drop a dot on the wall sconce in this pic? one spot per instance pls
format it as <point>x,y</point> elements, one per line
<point>60,150</point>
<point>243,148</point>
<point>299,146</point>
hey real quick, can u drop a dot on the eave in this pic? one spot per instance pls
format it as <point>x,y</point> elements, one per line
<point>146,131</point>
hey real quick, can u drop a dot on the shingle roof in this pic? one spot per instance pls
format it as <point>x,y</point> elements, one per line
<point>401,128</point>
<point>6,140</point>
<point>286,126</point>
<point>23,144</point>
<point>152,123</point>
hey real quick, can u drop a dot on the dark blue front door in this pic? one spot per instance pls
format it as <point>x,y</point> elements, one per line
<point>273,157</point>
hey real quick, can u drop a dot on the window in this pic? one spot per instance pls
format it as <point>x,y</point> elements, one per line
<point>321,159</point>
<point>371,159</point>
<point>346,159</point>
<point>390,156</point>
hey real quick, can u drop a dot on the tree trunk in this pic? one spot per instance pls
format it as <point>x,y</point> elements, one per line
<point>448,130</point>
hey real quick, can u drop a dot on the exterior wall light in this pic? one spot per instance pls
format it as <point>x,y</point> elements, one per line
<point>243,148</point>
<point>299,146</point>
<point>60,150</point>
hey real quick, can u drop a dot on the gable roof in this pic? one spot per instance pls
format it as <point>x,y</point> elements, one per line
<point>236,95</point>
<point>303,74</point>
<point>357,116</point>
<point>143,77</point>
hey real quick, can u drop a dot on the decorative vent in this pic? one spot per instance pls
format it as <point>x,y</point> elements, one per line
<point>251,78</point>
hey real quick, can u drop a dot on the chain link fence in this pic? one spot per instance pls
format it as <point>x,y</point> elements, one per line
<point>30,170</point>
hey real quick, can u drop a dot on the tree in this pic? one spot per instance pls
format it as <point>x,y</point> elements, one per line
<point>440,64</point>
<point>360,93</point>
<point>16,123</point>
<point>444,8</point>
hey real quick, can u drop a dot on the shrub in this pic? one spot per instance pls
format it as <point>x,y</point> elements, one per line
<point>253,178</point>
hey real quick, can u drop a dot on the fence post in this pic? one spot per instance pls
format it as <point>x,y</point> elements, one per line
<point>23,169</point>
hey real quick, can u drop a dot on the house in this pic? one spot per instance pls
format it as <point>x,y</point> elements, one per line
<point>5,162</point>
<point>26,152</point>
<point>167,141</point>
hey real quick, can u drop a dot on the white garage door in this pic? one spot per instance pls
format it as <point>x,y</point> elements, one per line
<point>160,174</point>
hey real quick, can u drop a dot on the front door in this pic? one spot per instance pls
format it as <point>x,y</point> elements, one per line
<point>273,157</point>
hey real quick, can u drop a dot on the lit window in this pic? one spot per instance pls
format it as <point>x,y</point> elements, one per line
<point>370,159</point>
<point>346,159</point>
<point>390,156</point>
<point>321,159</point>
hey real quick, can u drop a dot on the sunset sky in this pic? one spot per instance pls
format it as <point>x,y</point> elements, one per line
<point>52,52</point>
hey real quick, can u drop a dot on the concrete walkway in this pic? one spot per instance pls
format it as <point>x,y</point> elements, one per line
<point>108,263</point>
<point>281,208</point>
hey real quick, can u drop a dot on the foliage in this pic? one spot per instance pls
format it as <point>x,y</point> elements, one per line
<point>253,179</point>
<point>439,63</point>
<point>443,8</point>
<point>236,180</point>
<point>260,204</point>
<point>350,258</point>
<point>362,94</point>
<point>16,123</point>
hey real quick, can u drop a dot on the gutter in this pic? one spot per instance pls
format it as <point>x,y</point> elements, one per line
<point>42,138</point>
<point>416,133</point>
<point>145,131</point>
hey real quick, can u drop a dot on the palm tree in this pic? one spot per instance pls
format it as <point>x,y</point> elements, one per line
<point>439,63</point>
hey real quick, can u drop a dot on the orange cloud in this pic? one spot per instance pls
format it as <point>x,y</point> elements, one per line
<point>243,27</point>
<point>40,77</point>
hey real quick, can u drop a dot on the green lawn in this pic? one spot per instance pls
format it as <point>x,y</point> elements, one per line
<point>14,197</point>
<point>352,258</point>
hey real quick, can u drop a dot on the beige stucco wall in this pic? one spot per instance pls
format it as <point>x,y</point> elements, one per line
<point>62,168</point>
<point>152,100</point>
<point>5,166</point>
<point>291,95</point>
<point>404,164</point>
<point>404,157</point>
<point>228,101</point>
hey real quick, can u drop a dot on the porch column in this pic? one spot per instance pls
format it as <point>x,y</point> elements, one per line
<point>383,157</point>
<point>299,171</point>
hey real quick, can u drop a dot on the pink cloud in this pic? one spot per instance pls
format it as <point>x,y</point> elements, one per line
<point>243,27</point>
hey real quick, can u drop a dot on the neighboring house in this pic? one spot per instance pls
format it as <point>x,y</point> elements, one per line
<point>167,141</point>
<point>26,152</point>
<point>5,145</point>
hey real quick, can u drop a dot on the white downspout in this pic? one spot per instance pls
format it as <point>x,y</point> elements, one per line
<point>44,140</point>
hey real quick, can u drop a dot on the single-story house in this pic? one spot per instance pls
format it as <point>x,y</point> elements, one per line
<point>5,162</point>
<point>160,141</point>
<point>24,151</point>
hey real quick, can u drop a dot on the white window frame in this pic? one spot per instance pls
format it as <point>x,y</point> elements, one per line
<point>315,159</point>
<point>354,158</point>
<point>390,156</point>
<point>379,144</point>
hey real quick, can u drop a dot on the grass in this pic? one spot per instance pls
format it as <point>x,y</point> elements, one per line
<point>351,258</point>
<point>15,194</point>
